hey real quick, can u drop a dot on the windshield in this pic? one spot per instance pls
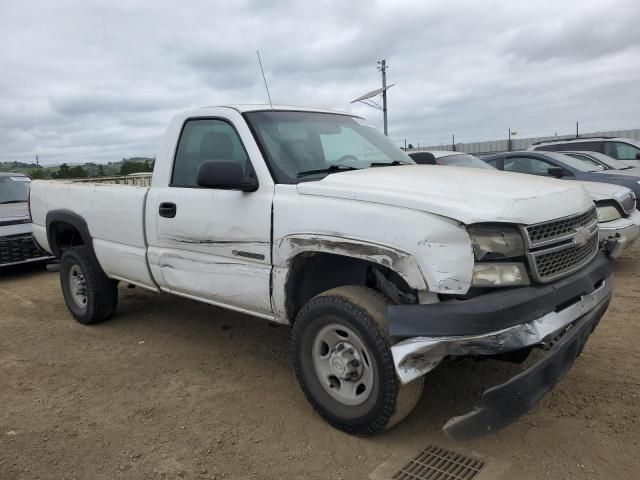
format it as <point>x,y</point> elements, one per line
<point>581,164</point>
<point>302,146</point>
<point>463,160</point>
<point>606,160</point>
<point>14,188</point>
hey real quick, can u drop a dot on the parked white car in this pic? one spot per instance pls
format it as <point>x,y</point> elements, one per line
<point>616,205</point>
<point>384,268</point>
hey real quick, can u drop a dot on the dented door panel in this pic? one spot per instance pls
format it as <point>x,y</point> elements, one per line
<point>216,248</point>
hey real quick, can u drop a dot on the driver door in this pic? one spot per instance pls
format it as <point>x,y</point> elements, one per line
<point>212,244</point>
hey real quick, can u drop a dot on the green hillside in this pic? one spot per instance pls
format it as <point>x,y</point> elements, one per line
<point>89,169</point>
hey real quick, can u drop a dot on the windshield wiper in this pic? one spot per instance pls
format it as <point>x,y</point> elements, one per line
<point>331,169</point>
<point>391,164</point>
<point>13,201</point>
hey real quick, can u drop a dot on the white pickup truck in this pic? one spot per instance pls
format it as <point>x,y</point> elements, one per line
<point>383,268</point>
<point>16,242</point>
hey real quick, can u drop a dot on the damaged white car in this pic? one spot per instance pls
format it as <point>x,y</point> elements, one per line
<point>383,268</point>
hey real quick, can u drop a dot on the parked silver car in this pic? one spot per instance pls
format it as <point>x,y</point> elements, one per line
<point>16,240</point>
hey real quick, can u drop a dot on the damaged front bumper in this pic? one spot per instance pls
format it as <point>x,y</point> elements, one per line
<point>502,404</point>
<point>497,323</point>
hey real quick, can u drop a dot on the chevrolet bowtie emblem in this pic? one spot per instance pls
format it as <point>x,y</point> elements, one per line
<point>582,236</point>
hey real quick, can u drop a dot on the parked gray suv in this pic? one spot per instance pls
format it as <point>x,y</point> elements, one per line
<point>16,240</point>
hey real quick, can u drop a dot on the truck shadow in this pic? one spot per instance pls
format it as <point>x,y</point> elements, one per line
<point>25,271</point>
<point>454,388</point>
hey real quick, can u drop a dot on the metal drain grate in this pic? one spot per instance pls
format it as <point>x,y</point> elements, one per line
<point>436,463</point>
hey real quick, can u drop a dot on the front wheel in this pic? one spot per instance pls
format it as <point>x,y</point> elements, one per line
<point>344,364</point>
<point>89,294</point>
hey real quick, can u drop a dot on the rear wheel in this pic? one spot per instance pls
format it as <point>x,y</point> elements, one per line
<point>89,294</point>
<point>344,364</point>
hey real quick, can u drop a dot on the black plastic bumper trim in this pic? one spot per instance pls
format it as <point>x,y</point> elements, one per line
<point>503,404</point>
<point>496,310</point>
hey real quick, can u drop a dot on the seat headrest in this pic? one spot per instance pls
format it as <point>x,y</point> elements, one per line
<point>216,146</point>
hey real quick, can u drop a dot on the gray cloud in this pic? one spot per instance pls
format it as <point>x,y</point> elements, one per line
<point>97,82</point>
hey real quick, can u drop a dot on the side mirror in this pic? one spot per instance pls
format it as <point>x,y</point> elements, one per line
<point>638,156</point>
<point>225,175</point>
<point>558,172</point>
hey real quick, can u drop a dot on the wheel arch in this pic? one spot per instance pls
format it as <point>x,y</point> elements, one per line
<point>67,229</point>
<point>314,264</point>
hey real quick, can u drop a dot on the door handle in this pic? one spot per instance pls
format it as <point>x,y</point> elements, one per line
<point>167,210</point>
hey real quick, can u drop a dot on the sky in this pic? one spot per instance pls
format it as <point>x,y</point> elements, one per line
<point>99,80</point>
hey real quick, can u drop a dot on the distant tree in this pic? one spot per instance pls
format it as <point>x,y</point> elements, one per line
<point>129,167</point>
<point>63,172</point>
<point>37,173</point>
<point>77,172</point>
<point>101,170</point>
<point>410,146</point>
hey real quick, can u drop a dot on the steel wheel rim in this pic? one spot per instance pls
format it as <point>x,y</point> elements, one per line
<point>343,365</point>
<point>78,286</point>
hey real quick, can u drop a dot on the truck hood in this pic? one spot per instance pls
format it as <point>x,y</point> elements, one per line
<point>13,211</point>
<point>14,219</point>
<point>468,195</point>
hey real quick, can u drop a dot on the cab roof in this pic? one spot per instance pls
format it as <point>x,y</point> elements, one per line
<point>257,107</point>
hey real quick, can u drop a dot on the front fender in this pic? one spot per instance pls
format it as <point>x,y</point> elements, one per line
<point>403,263</point>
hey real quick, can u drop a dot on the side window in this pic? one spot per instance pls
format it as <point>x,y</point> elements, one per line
<point>202,140</point>
<point>554,147</point>
<point>582,146</point>
<point>621,151</point>
<point>493,162</point>
<point>533,166</point>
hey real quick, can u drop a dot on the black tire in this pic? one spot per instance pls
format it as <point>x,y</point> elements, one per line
<point>363,311</point>
<point>101,293</point>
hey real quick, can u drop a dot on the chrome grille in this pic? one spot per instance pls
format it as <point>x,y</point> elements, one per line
<point>560,247</point>
<point>544,233</point>
<point>557,263</point>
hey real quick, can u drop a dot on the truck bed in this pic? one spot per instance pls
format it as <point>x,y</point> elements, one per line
<point>114,213</point>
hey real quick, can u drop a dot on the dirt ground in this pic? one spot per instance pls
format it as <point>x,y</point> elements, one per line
<point>170,388</point>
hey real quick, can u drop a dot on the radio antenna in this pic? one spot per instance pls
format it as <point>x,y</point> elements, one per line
<point>265,79</point>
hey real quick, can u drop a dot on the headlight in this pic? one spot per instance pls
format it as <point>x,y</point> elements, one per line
<point>495,242</point>
<point>607,213</point>
<point>499,275</point>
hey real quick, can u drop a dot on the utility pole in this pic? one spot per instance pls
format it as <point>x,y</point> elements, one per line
<point>383,69</point>
<point>453,141</point>
<point>577,134</point>
<point>509,142</point>
<point>368,98</point>
<point>405,143</point>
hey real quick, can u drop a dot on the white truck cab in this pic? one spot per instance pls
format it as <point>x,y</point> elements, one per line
<point>312,218</point>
